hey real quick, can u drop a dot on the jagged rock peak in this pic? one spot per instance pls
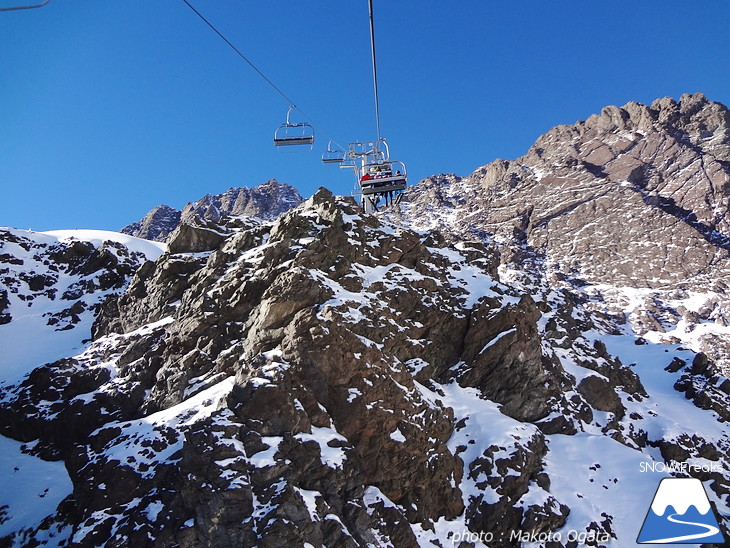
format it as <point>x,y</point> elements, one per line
<point>266,201</point>
<point>701,122</point>
<point>156,225</point>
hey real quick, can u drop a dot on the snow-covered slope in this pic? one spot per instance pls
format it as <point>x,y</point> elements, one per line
<point>332,379</point>
<point>51,287</point>
<point>150,249</point>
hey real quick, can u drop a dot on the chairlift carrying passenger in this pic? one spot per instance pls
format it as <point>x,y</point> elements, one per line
<point>299,135</point>
<point>381,177</point>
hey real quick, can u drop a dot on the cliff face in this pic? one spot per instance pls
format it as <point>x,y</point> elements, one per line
<point>458,368</point>
<point>653,178</point>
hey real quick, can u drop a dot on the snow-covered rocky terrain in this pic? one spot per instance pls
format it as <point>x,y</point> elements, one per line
<point>630,206</point>
<point>51,287</point>
<point>447,373</point>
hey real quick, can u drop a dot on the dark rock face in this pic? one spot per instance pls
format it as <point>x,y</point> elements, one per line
<point>266,201</point>
<point>5,316</point>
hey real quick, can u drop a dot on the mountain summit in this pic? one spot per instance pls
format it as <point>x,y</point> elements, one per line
<point>267,201</point>
<point>449,373</point>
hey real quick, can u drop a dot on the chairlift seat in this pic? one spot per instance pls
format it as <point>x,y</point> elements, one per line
<point>333,157</point>
<point>286,141</point>
<point>375,186</point>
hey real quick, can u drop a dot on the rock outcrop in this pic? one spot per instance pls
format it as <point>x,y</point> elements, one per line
<point>156,225</point>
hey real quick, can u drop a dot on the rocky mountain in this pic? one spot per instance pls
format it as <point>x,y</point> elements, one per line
<point>630,206</point>
<point>267,201</point>
<point>440,374</point>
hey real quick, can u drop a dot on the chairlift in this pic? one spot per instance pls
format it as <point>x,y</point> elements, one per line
<point>299,135</point>
<point>333,155</point>
<point>349,163</point>
<point>383,176</point>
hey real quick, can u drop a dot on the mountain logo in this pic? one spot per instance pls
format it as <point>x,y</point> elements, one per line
<point>680,513</point>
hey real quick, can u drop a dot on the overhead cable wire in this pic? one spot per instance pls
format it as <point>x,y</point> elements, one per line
<point>39,5</point>
<point>375,69</point>
<point>258,71</point>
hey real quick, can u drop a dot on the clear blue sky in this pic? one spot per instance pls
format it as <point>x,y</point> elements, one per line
<point>108,108</point>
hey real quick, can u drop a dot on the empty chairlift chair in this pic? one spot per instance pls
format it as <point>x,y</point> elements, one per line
<point>333,154</point>
<point>295,137</point>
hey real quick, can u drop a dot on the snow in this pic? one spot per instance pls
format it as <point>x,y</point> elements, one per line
<point>151,250</point>
<point>666,413</point>
<point>28,341</point>
<point>31,488</point>
<point>154,509</point>
<point>310,500</point>
<point>130,448</point>
<point>598,477</point>
<point>397,435</point>
<point>484,427</point>
<point>353,393</point>
<point>497,338</point>
<point>195,408</point>
<point>691,334</point>
<point>373,496</point>
<point>265,458</point>
<point>334,457</point>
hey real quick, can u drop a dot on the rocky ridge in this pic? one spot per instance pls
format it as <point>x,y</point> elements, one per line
<point>630,206</point>
<point>336,379</point>
<point>266,201</point>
